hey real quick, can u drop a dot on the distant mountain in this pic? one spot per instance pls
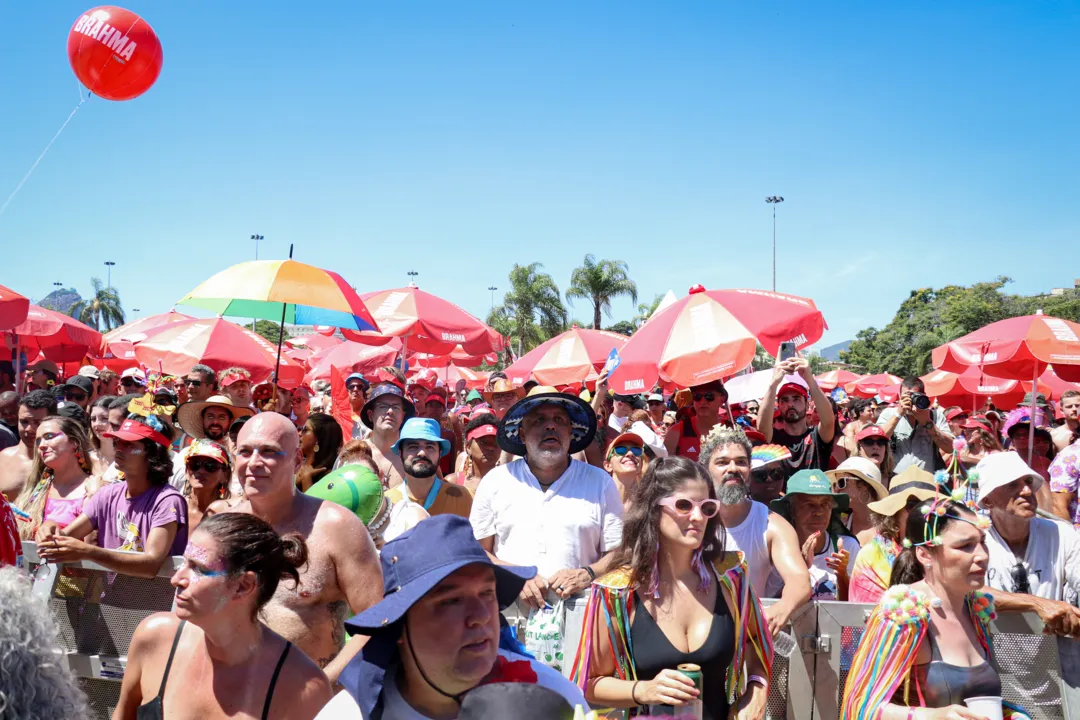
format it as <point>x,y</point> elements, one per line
<point>832,353</point>
<point>60,300</point>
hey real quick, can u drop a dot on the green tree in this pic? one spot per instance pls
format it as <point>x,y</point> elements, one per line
<point>269,330</point>
<point>532,311</point>
<point>645,311</point>
<point>600,283</point>
<point>103,311</point>
<point>625,327</point>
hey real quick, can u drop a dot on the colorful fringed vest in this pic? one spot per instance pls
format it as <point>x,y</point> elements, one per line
<point>609,604</point>
<point>886,654</point>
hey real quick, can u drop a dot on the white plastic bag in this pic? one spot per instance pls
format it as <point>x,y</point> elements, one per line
<point>544,634</point>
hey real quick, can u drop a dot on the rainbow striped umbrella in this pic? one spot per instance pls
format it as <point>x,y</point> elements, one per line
<point>283,290</point>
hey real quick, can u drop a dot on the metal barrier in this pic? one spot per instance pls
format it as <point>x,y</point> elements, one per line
<point>97,611</point>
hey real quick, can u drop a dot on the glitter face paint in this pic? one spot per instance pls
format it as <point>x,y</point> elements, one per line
<point>210,566</point>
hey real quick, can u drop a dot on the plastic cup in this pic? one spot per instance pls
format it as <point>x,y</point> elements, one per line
<point>987,706</point>
<point>784,644</point>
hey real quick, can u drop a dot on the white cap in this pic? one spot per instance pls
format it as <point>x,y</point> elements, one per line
<point>648,437</point>
<point>134,372</point>
<point>89,371</point>
<point>655,397</point>
<point>1001,468</point>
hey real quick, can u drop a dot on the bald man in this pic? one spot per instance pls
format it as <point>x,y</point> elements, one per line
<point>342,575</point>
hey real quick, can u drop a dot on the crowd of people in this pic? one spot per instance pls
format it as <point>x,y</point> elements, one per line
<point>402,549</point>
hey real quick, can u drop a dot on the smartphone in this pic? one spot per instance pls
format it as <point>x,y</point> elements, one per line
<point>787,351</point>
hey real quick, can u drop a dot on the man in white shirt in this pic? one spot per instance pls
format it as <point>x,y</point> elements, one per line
<point>545,509</point>
<point>1034,566</point>
<point>620,413</point>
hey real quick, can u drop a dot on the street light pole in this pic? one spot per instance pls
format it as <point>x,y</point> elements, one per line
<point>412,275</point>
<point>774,200</point>
<point>492,288</point>
<point>257,238</point>
<point>109,264</point>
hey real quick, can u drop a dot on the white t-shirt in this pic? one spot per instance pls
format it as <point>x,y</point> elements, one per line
<point>396,708</point>
<point>822,579</point>
<point>571,524</point>
<point>617,423</point>
<point>1052,565</point>
<point>397,523</point>
<point>748,537</point>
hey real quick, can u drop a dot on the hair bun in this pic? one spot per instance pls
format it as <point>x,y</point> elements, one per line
<point>294,550</point>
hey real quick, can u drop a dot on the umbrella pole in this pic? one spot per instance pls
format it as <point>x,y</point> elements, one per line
<point>1031,425</point>
<point>18,367</point>
<point>280,336</point>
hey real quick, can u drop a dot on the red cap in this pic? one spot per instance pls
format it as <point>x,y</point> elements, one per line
<point>426,378</point>
<point>871,431</point>
<point>486,430</point>
<point>793,387</point>
<point>133,431</point>
<point>234,377</point>
<point>754,436</point>
<point>955,413</point>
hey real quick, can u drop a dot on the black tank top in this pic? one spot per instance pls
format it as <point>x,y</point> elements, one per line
<point>653,652</point>
<point>155,709</point>
<point>943,684</point>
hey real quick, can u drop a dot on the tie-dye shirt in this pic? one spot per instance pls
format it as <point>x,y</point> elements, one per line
<point>1065,477</point>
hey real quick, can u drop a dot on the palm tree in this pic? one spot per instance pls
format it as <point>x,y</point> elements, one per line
<point>102,311</point>
<point>532,311</point>
<point>599,283</point>
<point>646,311</point>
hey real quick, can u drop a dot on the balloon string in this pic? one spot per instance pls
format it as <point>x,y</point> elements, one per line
<point>41,157</point>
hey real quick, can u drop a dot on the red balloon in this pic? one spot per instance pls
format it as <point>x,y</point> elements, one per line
<point>114,53</point>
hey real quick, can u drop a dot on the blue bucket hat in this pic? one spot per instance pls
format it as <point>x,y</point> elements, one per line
<point>360,377</point>
<point>422,429</point>
<point>420,558</point>
<point>377,392</point>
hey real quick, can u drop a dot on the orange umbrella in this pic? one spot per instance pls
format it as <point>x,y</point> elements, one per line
<point>836,378</point>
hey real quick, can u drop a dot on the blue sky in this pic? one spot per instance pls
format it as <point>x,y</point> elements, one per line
<point>916,144</point>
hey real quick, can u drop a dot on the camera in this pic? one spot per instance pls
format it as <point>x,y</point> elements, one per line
<point>920,401</point>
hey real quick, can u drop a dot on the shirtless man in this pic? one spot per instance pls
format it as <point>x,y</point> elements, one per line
<point>1068,432</point>
<point>385,411</point>
<point>15,461</point>
<point>342,575</point>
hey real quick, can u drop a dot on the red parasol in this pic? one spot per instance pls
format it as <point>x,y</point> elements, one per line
<point>1051,385</point>
<point>474,379</point>
<point>566,358</point>
<point>13,308</point>
<point>973,388</point>
<point>458,358</point>
<point>176,347</point>
<point>1018,348</point>
<point>315,342</point>
<point>353,357</point>
<point>425,323</point>
<point>836,378</point>
<point>711,335</point>
<point>136,330</point>
<point>57,336</point>
<point>871,385</point>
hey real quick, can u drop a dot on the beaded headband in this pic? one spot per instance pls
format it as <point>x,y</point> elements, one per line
<point>957,488</point>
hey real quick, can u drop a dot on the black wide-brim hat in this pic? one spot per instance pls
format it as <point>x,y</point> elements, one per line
<point>582,419</point>
<point>377,392</point>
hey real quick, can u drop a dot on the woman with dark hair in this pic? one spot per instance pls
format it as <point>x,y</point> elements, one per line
<point>212,657</point>
<point>99,424</point>
<point>320,441</point>
<point>861,413</point>
<point>206,483</point>
<point>143,514</point>
<point>60,478</point>
<point>872,443</point>
<point>674,580</point>
<point>927,648</point>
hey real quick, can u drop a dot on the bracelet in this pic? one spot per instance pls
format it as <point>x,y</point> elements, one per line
<point>592,575</point>
<point>759,680</point>
<point>634,699</point>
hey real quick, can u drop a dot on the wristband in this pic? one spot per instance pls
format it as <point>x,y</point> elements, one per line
<point>586,568</point>
<point>633,690</point>
<point>759,680</point>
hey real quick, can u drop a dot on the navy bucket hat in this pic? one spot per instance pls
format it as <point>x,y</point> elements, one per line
<point>422,557</point>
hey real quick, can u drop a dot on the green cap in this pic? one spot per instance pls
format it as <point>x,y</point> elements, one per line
<point>473,395</point>
<point>807,482</point>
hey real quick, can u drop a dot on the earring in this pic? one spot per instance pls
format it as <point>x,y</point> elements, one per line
<point>316,447</point>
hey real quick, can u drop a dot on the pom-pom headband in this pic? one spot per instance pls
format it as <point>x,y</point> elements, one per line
<point>934,513</point>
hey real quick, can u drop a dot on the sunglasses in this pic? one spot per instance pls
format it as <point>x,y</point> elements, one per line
<point>355,387</point>
<point>707,397</point>
<point>75,396</point>
<point>129,382</point>
<point>207,464</point>
<point>685,506</point>
<point>766,476</point>
<point>1020,579</point>
<point>192,383</point>
<point>877,442</point>
<point>623,449</point>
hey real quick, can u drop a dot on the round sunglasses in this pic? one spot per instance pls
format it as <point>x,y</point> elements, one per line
<point>685,506</point>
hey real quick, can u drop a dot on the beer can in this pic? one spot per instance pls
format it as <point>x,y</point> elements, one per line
<point>693,672</point>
